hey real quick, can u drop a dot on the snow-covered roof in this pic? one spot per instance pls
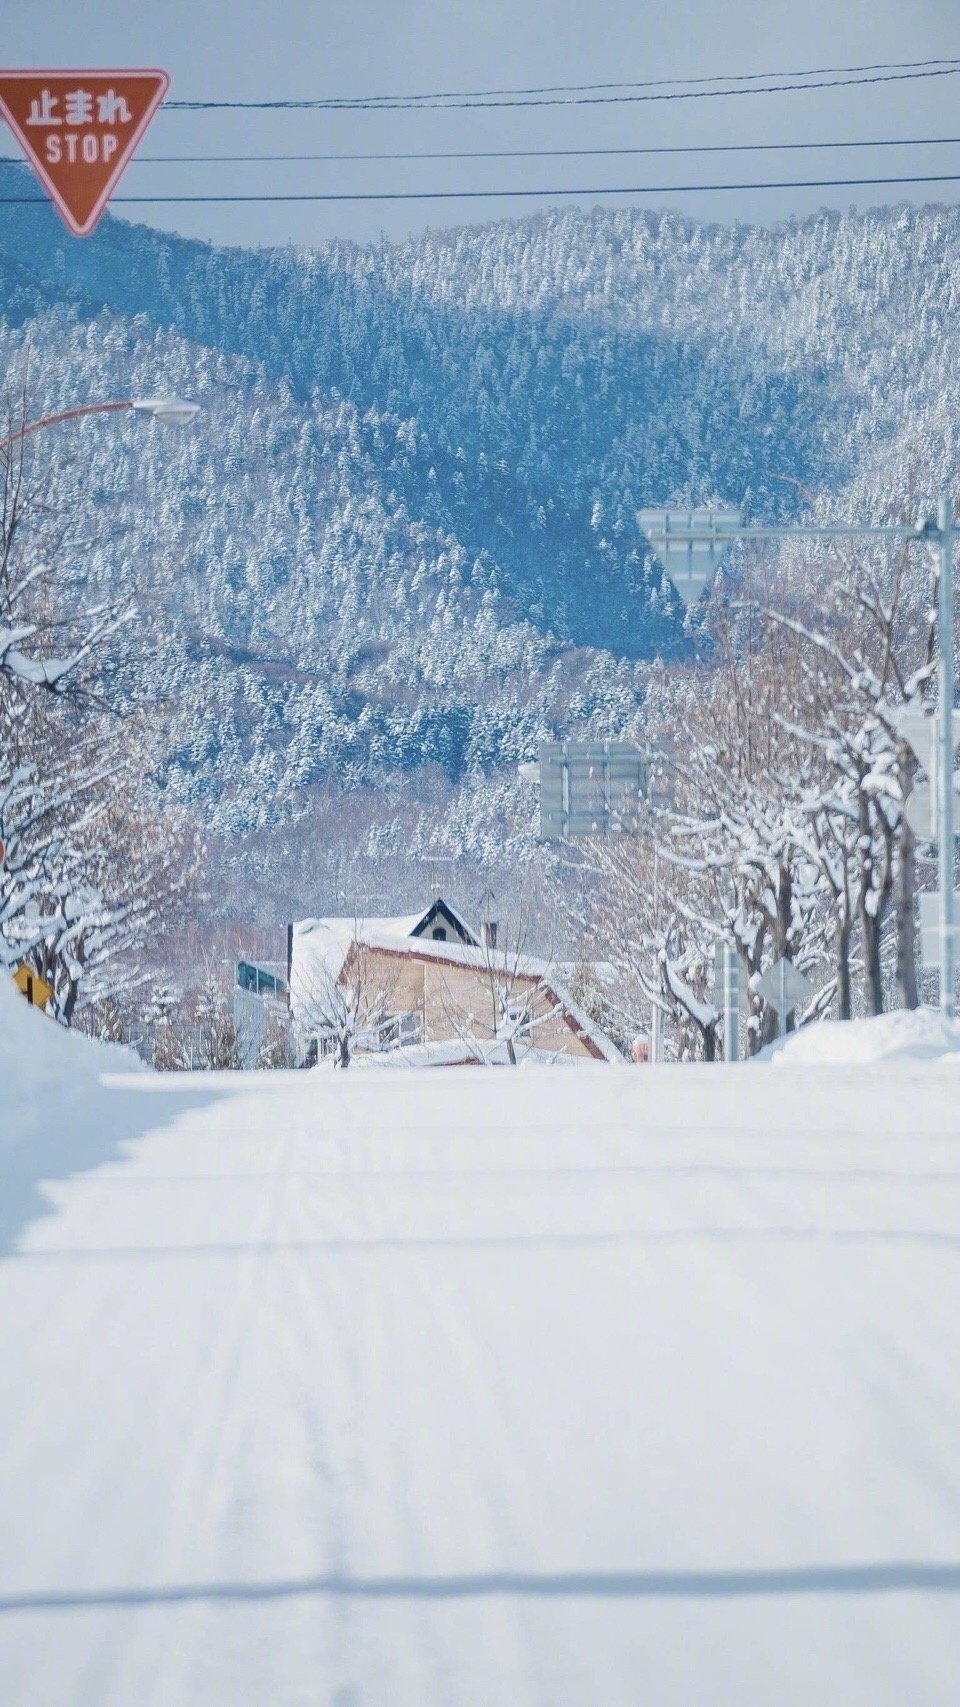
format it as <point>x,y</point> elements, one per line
<point>321,946</point>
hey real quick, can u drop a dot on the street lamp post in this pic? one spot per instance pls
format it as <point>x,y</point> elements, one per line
<point>175,411</point>
<point>945,757</point>
<point>692,541</point>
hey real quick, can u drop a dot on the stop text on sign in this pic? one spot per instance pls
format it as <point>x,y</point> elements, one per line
<point>78,130</point>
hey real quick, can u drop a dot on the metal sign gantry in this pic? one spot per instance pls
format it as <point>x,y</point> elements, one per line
<point>590,788</point>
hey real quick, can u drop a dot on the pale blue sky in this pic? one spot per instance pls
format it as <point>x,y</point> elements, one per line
<point>217,50</point>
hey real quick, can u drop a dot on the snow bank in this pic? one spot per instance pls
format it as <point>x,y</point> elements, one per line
<point>923,1035</point>
<point>46,1072</point>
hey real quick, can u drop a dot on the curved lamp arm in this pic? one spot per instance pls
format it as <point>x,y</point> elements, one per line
<point>176,411</point>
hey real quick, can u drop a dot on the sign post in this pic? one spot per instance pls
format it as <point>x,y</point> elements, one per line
<point>78,130</point>
<point>656,1033</point>
<point>931,937</point>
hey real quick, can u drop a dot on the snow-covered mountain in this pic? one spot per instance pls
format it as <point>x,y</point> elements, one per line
<point>400,545</point>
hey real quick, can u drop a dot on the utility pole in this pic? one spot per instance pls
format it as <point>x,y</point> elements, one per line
<point>726,983</point>
<point>730,984</point>
<point>945,851</point>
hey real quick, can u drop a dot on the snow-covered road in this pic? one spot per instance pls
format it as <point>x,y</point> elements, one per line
<point>606,1386</point>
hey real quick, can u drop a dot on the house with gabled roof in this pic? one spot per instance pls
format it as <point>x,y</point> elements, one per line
<point>426,988</point>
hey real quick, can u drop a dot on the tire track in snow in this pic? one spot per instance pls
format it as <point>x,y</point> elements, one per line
<point>208,1462</point>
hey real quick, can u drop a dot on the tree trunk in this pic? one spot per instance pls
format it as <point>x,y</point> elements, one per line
<point>769,1028</point>
<point>844,993</point>
<point>870,920</point>
<point>873,973</point>
<point>70,1001</point>
<point>784,921</point>
<point>343,1057</point>
<point>783,944</point>
<point>758,1013</point>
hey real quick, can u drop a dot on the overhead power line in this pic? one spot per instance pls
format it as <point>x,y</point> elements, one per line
<point>497,194</point>
<point>543,153</point>
<point>661,89</point>
<point>648,83</point>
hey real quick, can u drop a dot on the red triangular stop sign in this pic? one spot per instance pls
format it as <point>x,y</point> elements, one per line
<point>78,129</point>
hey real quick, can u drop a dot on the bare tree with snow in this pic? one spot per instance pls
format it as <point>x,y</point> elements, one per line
<point>92,862</point>
<point>502,999</point>
<point>342,990</point>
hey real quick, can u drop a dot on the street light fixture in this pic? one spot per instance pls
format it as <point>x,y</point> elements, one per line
<point>692,540</point>
<point>174,411</point>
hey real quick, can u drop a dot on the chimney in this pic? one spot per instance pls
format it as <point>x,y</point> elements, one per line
<point>488,933</point>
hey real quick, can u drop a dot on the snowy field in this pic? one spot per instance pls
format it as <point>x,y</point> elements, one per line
<point>616,1386</point>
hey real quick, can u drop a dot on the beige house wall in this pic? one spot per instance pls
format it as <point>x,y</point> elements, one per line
<point>457,1001</point>
<point>400,976</point>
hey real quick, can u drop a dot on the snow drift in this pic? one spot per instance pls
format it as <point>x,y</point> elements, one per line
<point>46,1072</point>
<point>923,1035</point>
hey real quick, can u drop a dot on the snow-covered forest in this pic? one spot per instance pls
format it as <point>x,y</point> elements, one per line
<point>399,547</point>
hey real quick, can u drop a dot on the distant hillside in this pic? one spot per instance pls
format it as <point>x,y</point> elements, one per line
<point>410,503</point>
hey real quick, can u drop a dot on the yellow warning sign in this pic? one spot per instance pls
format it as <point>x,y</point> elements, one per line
<point>30,984</point>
